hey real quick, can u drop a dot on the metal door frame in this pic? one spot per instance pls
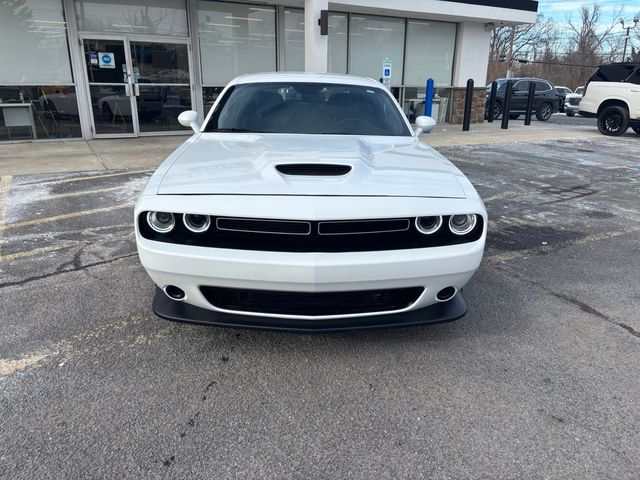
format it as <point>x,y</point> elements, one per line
<point>127,38</point>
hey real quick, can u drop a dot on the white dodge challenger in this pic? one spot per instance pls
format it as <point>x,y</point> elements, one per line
<point>307,202</point>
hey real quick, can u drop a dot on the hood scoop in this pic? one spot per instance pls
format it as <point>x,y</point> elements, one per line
<point>313,169</point>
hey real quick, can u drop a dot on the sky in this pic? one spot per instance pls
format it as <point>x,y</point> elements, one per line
<point>559,10</point>
<point>562,10</point>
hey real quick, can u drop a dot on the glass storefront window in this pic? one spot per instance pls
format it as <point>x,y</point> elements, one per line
<point>430,52</point>
<point>33,42</point>
<point>148,17</point>
<point>337,61</point>
<point>210,94</point>
<point>414,99</point>
<point>235,39</point>
<point>159,62</point>
<point>294,40</point>
<point>372,39</point>
<point>38,112</point>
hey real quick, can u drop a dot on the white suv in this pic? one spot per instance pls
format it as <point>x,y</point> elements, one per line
<point>613,95</point>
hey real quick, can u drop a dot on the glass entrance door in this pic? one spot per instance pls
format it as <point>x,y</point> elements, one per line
<point>161,85</point>
<point>137,87</point>
<point>110,92</point>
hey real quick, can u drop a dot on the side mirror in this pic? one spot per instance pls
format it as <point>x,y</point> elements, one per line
<point>189,119</point>
<point>424,124</point>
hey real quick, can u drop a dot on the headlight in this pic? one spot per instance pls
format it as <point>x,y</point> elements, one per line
<point>428,225</point>
<point>161,222</point>
<point>196,223</point>
<point>462,224</point>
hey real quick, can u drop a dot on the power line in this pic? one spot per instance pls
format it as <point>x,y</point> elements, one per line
<point>524,61</point>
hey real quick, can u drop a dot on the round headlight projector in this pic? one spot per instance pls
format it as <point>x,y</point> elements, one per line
<point>196,223</point>
<point>462,224</point>
<point>161,222</point>
<point>428,225</point>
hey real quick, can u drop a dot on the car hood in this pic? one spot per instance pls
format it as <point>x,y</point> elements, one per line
<point>247,164</point>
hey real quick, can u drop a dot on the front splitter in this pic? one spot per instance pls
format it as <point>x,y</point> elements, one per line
<point>169,309</point>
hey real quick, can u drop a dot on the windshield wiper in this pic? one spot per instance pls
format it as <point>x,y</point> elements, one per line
<point>235,130</point>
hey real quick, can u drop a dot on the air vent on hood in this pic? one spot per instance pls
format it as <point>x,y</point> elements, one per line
<point>313,169</point>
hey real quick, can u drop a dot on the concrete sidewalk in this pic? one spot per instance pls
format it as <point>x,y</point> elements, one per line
<point>26,158</point>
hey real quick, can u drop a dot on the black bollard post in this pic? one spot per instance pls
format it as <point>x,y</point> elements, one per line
<point>492,100</point>
<point>468,103</point>
<point>506,108</point>
<point>532,92</point>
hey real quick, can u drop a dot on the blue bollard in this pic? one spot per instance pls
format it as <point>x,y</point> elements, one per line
<point>428,99</point>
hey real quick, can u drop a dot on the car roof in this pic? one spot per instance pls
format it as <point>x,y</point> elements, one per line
<point>633,64</point>
<point>515,79</point>
<point>312,77</point>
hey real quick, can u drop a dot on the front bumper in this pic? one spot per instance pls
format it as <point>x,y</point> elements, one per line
<point>169,309</point>
<point>190,268</point>
<point>571,108</point>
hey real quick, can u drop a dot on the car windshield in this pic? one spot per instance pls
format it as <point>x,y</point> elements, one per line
<point>502,84</point>
<point>307,108</point>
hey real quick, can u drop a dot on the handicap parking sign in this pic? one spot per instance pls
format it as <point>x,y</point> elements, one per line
<point>386,68</point>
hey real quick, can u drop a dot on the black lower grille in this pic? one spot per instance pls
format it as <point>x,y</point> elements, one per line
<point>311,304</point>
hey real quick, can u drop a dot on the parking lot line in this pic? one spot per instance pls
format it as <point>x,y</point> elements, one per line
<point>78,179</point>
<point>84,192</point>
<point>30,253</point>
<point>66,216</point>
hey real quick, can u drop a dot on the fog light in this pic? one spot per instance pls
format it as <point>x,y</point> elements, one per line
<point>428,225</point>
<point>196,223</point>
<point>161,222</point>
<point>462,224</point>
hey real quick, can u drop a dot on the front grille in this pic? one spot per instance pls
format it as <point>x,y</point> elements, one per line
<point>310,236</point>
<point>311,304</point>
<point>350,227</point>
<point>253,225</point>
<point>574,101</point>
<point>313,169</point>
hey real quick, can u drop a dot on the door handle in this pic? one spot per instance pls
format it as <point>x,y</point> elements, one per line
<point>136,89</point>
<point>635,90</point>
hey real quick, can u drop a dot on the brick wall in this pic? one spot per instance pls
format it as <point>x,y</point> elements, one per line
<point>477,109</point>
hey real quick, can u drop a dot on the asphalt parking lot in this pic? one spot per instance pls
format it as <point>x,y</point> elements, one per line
<point>540,379</point>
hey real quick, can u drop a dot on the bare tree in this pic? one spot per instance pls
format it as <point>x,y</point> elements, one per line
<point>520,41</point>
<point>539,50</point>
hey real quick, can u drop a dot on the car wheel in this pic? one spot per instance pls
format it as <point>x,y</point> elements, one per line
<point>514,116</point>
<point>497,110</point>
<point>106,111</point>
<point>636,129</point>
<point>544,112</point>
<point>571,114</point>
<point>613,121</point>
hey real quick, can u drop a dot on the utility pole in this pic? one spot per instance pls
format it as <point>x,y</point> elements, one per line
<point>513,37</point>
<point>626,38</point>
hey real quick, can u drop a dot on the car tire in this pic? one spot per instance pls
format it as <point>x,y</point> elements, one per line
<point>636,129</point>
<point>571,114</point>
<point>514,116</point>
<point>613,121</point>
<point>544,111</point>
<point>497,110</point>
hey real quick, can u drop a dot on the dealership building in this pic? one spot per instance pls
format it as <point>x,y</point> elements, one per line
<point>126,68</point>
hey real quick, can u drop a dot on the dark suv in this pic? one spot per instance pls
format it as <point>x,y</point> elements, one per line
<point>546,100</point>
